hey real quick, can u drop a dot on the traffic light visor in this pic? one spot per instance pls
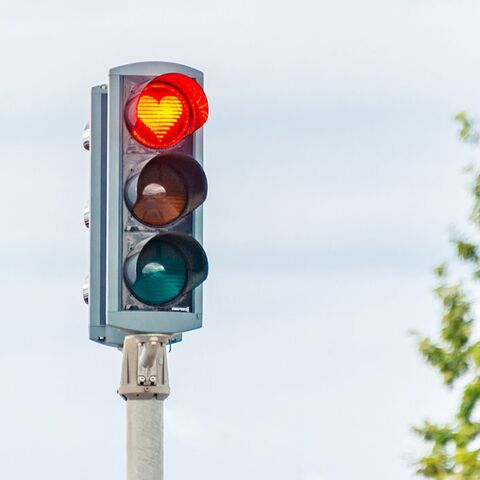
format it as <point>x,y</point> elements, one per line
<point>164,268</point>
<point>165,110</point>
<point>166,189</point>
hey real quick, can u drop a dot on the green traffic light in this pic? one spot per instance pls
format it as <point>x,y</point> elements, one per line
<point>161,273</point>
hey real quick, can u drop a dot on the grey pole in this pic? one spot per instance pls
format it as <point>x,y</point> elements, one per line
<point>144,384</point>
<point>145,439</point>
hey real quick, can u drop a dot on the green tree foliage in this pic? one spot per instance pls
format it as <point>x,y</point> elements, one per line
<point>468,128</point>
<point>454,448</point>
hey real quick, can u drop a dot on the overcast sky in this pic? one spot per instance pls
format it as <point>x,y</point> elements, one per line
<point>335,173</point>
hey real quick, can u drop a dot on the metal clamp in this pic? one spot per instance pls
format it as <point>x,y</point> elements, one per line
<point>144,367</point>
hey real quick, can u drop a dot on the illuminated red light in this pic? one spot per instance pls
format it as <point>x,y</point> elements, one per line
<point>166,110</point>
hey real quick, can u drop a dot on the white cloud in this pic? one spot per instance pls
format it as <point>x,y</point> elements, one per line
<point>191,428</point>
<point>314,476</point>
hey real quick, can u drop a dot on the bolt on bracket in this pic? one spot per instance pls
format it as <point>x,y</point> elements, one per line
<point>144,367</point>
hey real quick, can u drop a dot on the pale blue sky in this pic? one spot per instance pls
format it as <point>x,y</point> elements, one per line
<point>334,175</point>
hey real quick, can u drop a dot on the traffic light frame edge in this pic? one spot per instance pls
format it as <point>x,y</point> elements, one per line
<point>119,321</point>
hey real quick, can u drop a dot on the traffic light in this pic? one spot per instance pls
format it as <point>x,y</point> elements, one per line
<point>147,263</point>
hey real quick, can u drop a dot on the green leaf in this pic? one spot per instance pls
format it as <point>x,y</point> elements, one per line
<point>455,353</point>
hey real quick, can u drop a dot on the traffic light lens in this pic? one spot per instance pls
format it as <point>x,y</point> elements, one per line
<point>166,110</point>
<point>162,195</point>
<point>161,117</point>
<point>161,273</point>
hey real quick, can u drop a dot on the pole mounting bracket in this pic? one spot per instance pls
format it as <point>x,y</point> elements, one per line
<point>144,367</point>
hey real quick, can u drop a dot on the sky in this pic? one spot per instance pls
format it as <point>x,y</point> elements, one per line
<point>335,174</point>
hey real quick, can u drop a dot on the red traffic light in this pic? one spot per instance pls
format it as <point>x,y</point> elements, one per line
<point>165,110</point>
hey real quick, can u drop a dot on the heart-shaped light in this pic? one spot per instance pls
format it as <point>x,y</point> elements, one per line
<point>159,116</point>
<point>166,110</point>
<point>162,116</point>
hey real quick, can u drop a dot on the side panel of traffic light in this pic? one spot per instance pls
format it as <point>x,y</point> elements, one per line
<point>95,140</point>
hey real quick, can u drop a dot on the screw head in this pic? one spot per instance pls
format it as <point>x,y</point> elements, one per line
<point>142,379</point>
<point>86,215</point>
<point>86,290</point>
<point>153,379</point>
<point>86,137</point>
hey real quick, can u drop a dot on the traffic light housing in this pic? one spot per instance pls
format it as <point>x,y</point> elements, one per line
<point>147,262</point>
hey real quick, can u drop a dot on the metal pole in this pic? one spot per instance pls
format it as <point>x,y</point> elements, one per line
<point>144,384</point>
<point>145,439</point>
